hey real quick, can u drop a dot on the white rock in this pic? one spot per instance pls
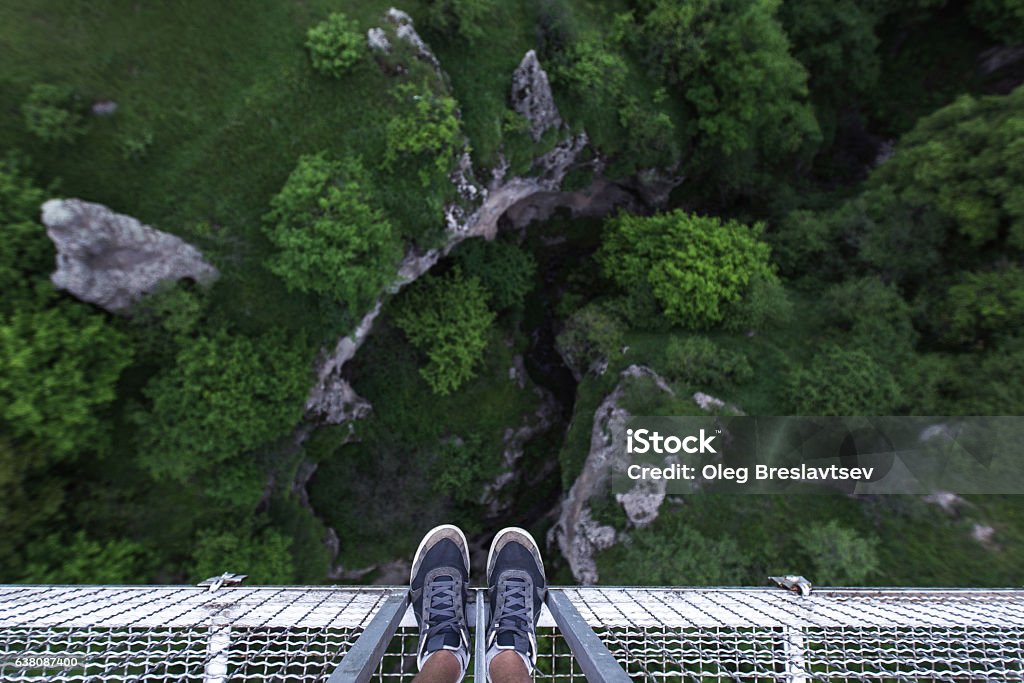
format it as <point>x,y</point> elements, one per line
<point>112,260</point>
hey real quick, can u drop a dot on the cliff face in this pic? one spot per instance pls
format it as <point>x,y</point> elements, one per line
<point>113,260</point>
<point>519,199</point>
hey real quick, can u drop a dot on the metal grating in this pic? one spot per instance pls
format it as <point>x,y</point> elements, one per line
<point>158,633</point>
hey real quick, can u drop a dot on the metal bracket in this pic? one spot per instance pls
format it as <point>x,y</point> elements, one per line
<point>792,582</point>
<point>596,662</point>
<point>225,579</point>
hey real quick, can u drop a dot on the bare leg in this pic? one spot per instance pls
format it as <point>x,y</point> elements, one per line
<point>440,667</point>
<point>508,667</point>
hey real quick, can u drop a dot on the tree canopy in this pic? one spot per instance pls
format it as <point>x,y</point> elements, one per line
<point>225,394</point>
<point>696,267</point>
<point>58,372</point>
<point>446,317</point>
<point>330,236</point>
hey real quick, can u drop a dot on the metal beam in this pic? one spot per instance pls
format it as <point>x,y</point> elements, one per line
<point>480,641</point>
<point>597,663</point>
<point>360,662</point>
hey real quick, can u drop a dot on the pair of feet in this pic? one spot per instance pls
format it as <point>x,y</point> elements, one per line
<point>515,593</point>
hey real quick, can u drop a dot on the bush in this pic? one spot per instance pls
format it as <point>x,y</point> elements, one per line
<point>335,45</point>
<point>592,334</point>
<point>1002,19</point>
<point>264,557</point>
<point>670,553</point>
<point>80,559</point>
<point>986,305</point>
<point>51,113</point>
<point>843,382</point>
<point>870,315</point>
<point>700,362</point>
<point>430,130</point>
<point>839,556</point>
<point>504,269</point>
<point>464,17</point>
<point>226,394</point>
<point>447,319</point>
<point>58,373</point>
<point>695,267</point>
<point>330,236</point>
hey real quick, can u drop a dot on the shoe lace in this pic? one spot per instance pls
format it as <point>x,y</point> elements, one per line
<point>514,615</point>
<point>442,599</point>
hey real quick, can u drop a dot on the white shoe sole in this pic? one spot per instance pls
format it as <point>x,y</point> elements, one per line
<point>438,533</point>
<point>509,535</point>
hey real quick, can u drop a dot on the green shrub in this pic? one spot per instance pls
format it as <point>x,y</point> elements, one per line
<point>698,361</point>
<point>429,131</point>
<point>335,45</point>
<point>696,267</point>
<point>839,556</point>
<point>263,556</point>
<point>77,559</point>
<point>1003,19</point>
<point>465,17</point>
<point>58,373</point>
<point>870,315</point>
<point>52,113</point>
<point>446,318</point>
<point>592,334</point>
<point>331,238</point>
<point>504,269</point>
<point>135,146</point>
<point>226,394</point>
<point>843,382</point>
<point>986,305</point>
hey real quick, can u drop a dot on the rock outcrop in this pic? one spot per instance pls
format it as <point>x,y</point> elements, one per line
<point>531,96</point>
<point>576,534</point>
<point>476,213</point>
<point>112,260</point>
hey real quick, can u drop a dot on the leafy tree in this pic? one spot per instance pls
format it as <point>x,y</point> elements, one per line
<point>591,335</point>
<point>51,113</point>
<point>226,394</point>
<point>446,318</point>
<point>264,556</point>
<point>76,558</point>
<point>429,131</point>
<point>835,40</point>
<point>466,17</point>
<point>670,553</point>
<point>963,163</point>
<point>504,269</point>
<point>746,94</point>
<point>27,254</point>
<point>591,72</point>
<point>1003,19</point>
<point>839,556</point>
<point>984,305</point>
<point>58,372</point>
<point>335,45</point>
<point>870,315</point>
<point>843,382</point>
<point>331,239</point>
<point>700,362</point>
<point>696,267</point>
<point>461,471</point>
<point>31,494</point>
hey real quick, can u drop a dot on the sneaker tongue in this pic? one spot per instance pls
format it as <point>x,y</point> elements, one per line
<point>446,639</point>
<point>510,638</point>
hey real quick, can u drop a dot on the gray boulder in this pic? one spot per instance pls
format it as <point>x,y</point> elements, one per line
<point>531,96</point>
<point>112,260</point>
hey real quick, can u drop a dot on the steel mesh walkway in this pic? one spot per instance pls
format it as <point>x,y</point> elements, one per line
<point>158,633</point>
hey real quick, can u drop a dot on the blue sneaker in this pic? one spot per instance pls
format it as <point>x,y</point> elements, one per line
<point>440,573</point>
<point>516,589</point>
